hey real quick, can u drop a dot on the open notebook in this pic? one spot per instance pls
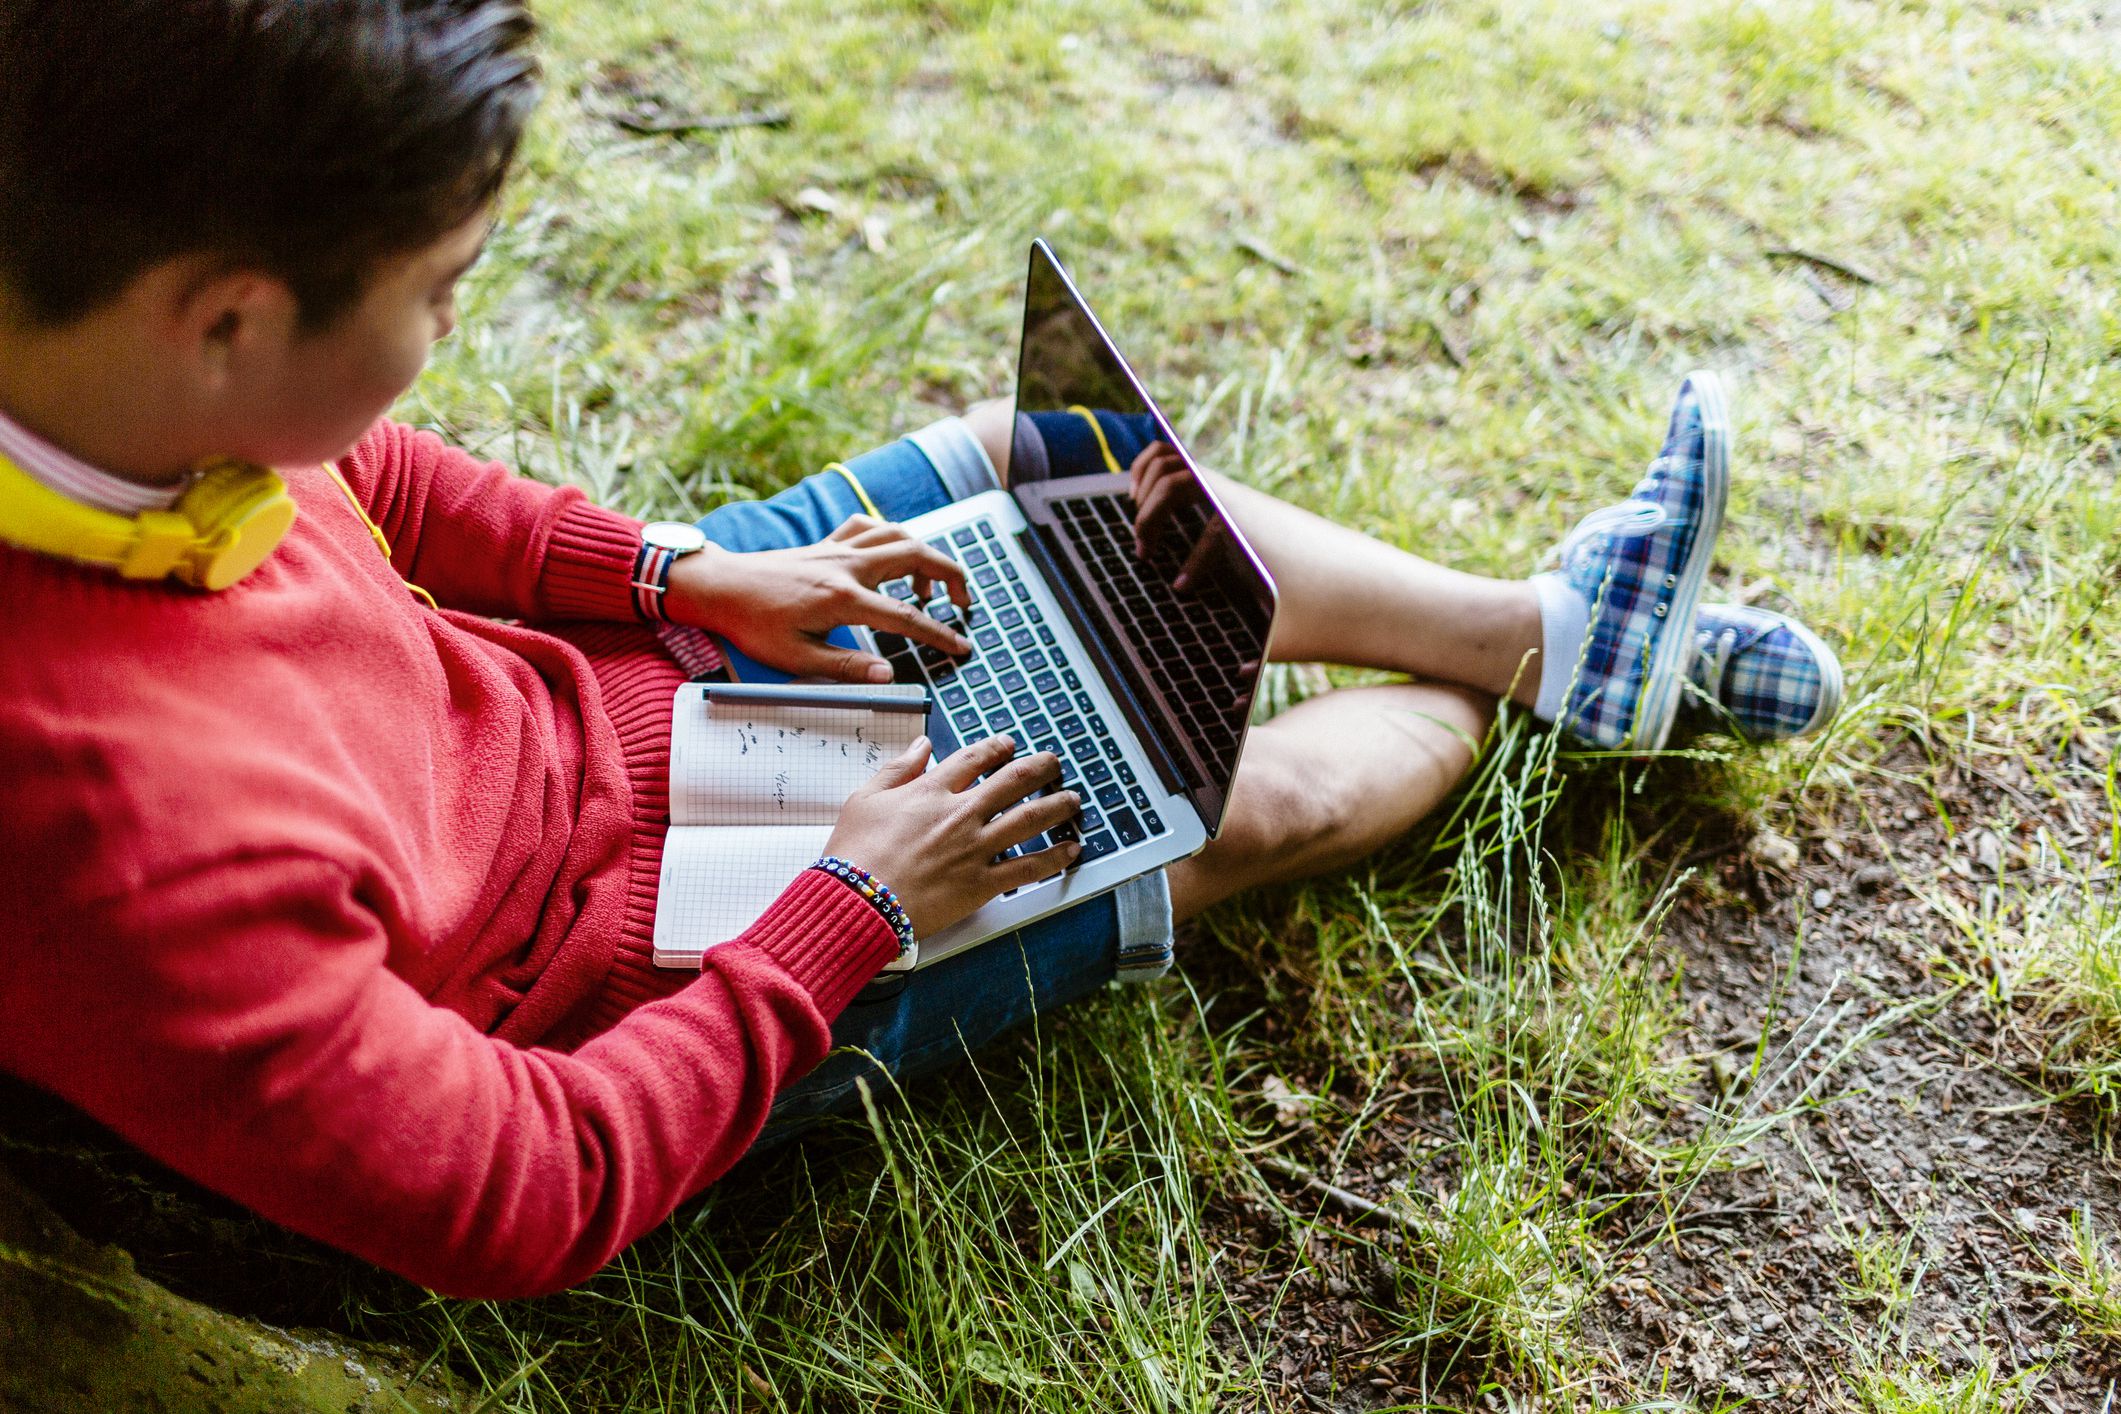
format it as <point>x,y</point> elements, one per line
<point>770,768</point>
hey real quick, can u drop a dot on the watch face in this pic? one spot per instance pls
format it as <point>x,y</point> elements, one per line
<point>675,536</point>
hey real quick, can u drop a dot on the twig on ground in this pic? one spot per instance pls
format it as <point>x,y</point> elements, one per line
<point>1353,1203</point>
<point>702,122</point>
<point>1838,301</point>
<point>1265,254</point>
<point>1824,262</point>
<point>1995,1291</point>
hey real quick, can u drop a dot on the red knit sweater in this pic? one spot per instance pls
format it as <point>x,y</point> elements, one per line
<point>341,906</point>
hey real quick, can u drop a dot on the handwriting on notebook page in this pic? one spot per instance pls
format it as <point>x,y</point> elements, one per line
<point>753,764</point>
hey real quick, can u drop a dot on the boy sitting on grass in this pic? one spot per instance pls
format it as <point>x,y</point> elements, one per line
<point>335,894</point>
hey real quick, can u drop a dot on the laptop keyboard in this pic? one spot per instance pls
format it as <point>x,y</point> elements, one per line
<point>1200,648</point>
<point>1016,684</point>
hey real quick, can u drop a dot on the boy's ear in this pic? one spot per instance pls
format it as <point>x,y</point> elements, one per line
<point>222,323</point>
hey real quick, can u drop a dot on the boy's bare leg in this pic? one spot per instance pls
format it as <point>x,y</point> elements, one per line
<point>1332,779</point>
<point>1349,598</point>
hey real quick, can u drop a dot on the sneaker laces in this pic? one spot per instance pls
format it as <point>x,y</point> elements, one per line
<point>1715,659</point>
<point>1624,520</point>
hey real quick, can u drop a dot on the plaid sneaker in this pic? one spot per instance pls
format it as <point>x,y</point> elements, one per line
<point>1759,675</point>
<point>1640,566</point>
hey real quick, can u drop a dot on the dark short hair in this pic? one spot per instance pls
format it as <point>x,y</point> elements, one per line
<point>306,138</point>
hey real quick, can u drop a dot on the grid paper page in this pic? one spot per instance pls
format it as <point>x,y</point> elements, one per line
<point>746,763</point>
<point>717,880</point>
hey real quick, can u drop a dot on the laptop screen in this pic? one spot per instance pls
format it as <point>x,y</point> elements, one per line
<point>1173,596</point>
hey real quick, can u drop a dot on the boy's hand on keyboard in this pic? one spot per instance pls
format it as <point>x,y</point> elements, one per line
<point>778,605</point>
<point>934,836</point>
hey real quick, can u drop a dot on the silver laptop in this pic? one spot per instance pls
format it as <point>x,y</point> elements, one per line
<point>1128,640</point>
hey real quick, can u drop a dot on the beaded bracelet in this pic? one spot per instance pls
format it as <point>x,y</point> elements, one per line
<point>873,890</point>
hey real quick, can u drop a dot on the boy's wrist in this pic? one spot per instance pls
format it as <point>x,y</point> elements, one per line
<point>697,588</point>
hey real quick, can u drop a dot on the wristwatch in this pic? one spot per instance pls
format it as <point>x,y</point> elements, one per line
<point>663,544</point>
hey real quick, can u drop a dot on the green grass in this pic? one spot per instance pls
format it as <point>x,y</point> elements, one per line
<point>1921,1387</point>
<point>2087,1279</point>
<point>1303,218</point>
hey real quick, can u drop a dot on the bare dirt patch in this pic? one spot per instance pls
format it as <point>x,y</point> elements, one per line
<point>1918,1130</point>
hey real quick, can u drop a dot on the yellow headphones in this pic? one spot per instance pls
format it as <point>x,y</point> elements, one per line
<point>227,521</point>
<point>225,524</point>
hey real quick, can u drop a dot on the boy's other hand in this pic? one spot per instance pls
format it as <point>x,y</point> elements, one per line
<point>778,605</point>
<point>933,836</point>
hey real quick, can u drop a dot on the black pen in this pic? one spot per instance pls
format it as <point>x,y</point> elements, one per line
<point>795,694</point>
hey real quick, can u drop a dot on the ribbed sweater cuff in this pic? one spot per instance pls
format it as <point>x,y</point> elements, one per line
<point>589,564</point>
<point>827,937</point>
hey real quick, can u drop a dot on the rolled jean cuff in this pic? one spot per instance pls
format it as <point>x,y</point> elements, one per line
<point>958,458</point>
<point>1145,929</point>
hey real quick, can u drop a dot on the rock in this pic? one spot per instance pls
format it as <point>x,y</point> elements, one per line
<point>81,1330</point>
<point>1291,1106</point>
<point>1773,851</point>
<point>1822,898</point>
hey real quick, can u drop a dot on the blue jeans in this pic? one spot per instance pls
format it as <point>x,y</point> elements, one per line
<point>910,1024</point>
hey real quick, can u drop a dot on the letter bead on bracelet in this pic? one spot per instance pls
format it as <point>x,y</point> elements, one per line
<point>872,889</point>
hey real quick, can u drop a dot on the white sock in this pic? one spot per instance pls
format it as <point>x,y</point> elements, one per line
<point>1564,621</point>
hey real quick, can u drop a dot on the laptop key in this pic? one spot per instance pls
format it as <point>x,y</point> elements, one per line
<point>1033,661</point>
<point>1111,797</point>
<point>1070,680</point>
<point>975,674</point>
<point>964,535</point>
<point>1127,827</point>
<point>1011,681</point>
<point>986,530</point>
<point>1097,773</point>
<point>1045,636</point>
<point>1096,847</point>
<point>955,696</point>
<point>1139,796</point>
<point>1126,774</point>
<point>976,556</point>
<point>1153,822</point>
<point>1024,704</point>
<point>1072,726</point>
<point>1011,617</point>
<point>900,589</point>
<point>1021,639</point>
<point>988,638</point>
<point>988,697</point>
<point>1090,820</point>
<point>1046,684</point>
<point>1041,730</point>
<point>986,578</point>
